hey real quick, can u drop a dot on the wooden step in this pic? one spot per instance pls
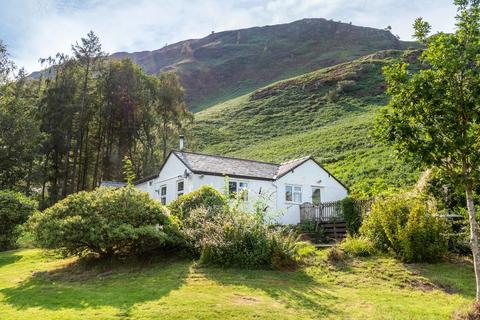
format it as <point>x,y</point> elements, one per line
<point>331,225</point>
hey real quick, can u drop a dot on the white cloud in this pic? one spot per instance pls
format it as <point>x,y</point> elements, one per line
<point>39,28</point>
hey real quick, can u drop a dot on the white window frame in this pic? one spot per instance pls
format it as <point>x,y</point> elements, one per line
<point>293,192</point>
<point>180,192</point>
<point>238,188</point>
<point>163,197</point>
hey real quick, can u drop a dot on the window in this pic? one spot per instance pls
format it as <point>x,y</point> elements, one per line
<point>238,188</point>
<point>150,183</point>
<point>293,194</point>
<point>180,187</point>
<point>163,195</point>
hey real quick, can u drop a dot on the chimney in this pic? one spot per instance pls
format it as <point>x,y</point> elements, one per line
<point>181,144</point>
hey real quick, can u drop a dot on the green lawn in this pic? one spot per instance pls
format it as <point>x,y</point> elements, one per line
<point>376,288</point>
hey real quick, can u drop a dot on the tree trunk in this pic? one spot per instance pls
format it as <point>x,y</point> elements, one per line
<point>85,160</point>
<point>474,237</point>
<point>97,159</point>
<point>79,142</point>
<point>66,165</point>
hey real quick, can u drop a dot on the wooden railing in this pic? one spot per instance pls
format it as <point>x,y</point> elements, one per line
<point>331,211</point>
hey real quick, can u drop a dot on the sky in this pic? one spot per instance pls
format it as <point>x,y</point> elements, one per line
<point>34,29</point>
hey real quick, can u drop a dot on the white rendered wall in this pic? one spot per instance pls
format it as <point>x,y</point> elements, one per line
<point>171,173</point>
<point>308,175</point>
<point>255,188</point>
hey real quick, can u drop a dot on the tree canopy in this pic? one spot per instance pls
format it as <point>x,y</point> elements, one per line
<point>433,116</point>
<point>70,127</point>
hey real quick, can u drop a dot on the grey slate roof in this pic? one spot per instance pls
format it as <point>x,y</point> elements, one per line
<point>226,166</point>
<point>286,167</point>
<point>200,163</point>
<point>234,167</point>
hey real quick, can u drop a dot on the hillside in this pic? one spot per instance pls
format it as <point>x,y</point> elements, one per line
<point>228,64</point>
<point>327,113</point>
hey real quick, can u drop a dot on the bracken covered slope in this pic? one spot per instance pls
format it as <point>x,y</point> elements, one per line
<point>328,113</point>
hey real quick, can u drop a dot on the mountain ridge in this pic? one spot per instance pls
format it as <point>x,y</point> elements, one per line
<point>230,63</point>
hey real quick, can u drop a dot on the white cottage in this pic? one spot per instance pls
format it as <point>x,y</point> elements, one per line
<point>285,185</point>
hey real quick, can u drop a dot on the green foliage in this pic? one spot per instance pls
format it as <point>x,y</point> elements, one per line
<point>15,209</point>
<point>405,226</point>
<point>424,237</point>
<point>433,113</point>
<point>205,197</point>
<point>20,136</point>
<point>307,226</point>
<point>459,236</point>
<point>105,221</point>
<point>352,217</point>
<point>238,239</point>
<point>357,247</point>
<point>293,118</point>
<point>432,116</point>
<point>72,124</point>
<point>128,171</point>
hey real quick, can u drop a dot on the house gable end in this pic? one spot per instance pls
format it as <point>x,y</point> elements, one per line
<point>305,161</point>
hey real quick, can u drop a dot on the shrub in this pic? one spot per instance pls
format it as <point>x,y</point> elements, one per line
<point>405,226</point>
<point>15,208</point>
<point>423,237</point>
<point>459,236</point>
<point>107,222</point>
<point>204,197</point>
<point>307,226</point>
<point>237,239</point>
<point>351,216</point>
<point>357,247</point>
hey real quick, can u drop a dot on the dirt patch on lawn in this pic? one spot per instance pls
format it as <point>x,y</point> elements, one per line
<point>241,299</point>
<point>427,286</point>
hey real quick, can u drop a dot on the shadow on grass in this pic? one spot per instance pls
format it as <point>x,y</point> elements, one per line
<point>94,284</point>
<point>451,277</point>
<point>293,289</point>
<point>8,257</point>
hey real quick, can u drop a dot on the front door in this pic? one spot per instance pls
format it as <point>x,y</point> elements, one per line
<point>316,196</point>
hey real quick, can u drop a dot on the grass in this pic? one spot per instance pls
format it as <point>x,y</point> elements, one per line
<point>37,285</point>
<point>328,113</point>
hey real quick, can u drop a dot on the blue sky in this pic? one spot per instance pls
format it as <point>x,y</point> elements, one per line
<point>39,28</point>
